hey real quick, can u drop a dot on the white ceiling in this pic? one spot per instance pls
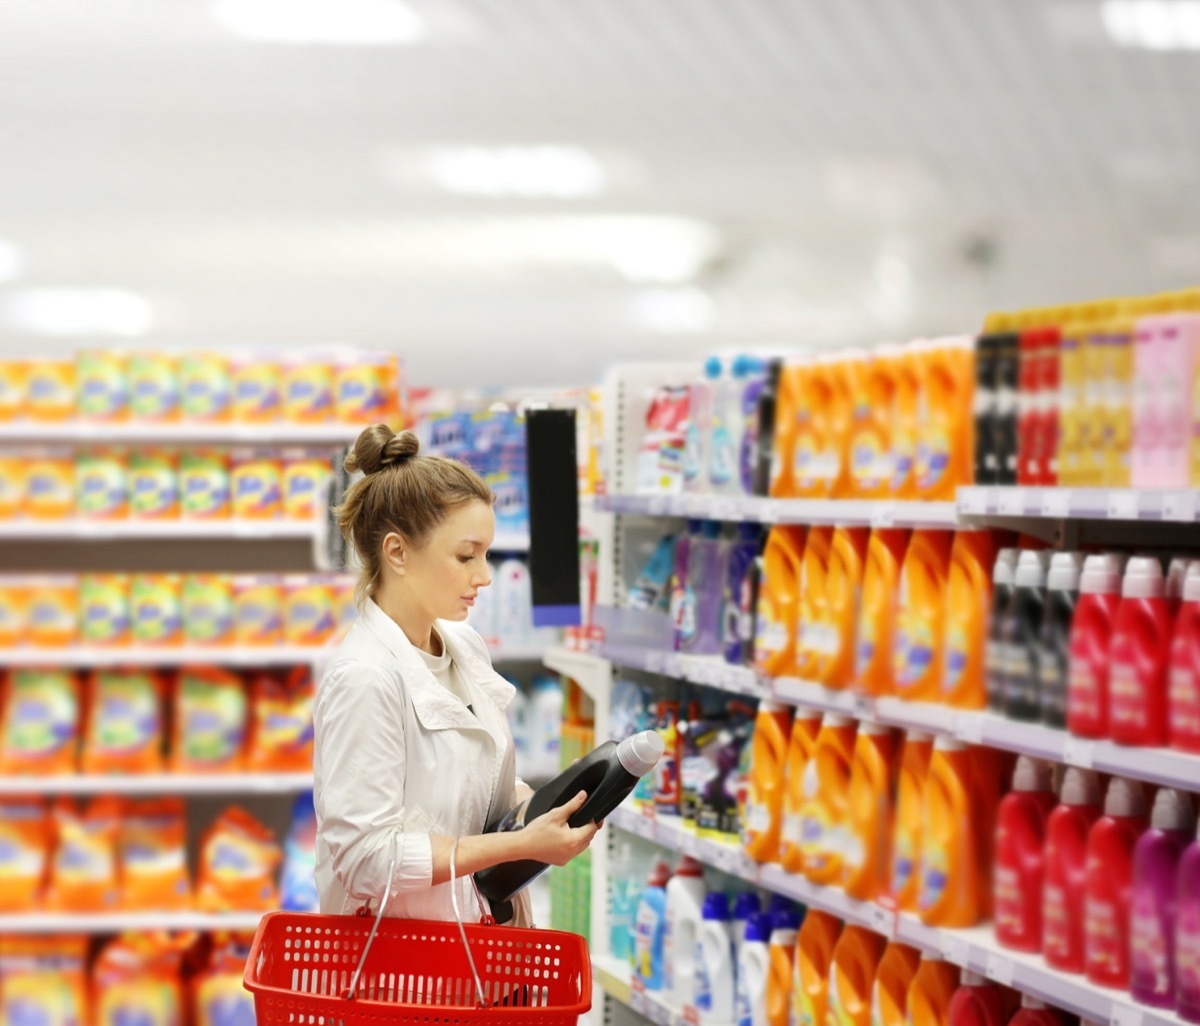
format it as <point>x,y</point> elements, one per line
<point>872,168</point>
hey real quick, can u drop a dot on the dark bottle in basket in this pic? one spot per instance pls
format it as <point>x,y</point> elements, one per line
<point>608,775</point>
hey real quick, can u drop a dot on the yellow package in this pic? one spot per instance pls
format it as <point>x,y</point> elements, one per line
<point>50,389</point>
<point>14,607</point>
<point>238,859</point>
<point>156,609</point>
<point>204,387</point>
<point>102,384</point>
<point>204,484</point>
<point>154,484</point>
<point>154,386</point>
<point>255,484</point>
<point>306,477</point>
<point>256,395</point>
<point>12,389</point>
<point>43,981</point>
<point>258,609</point>
<point>207,609</point>
<point>13,475</point>
<point>40,719</point>
<point>83,870</point>
<point>25,838</point>
<point>209,727</point>
<point>123,732</point>
<point>104,609</point>
<point>308,611</point>
<point>281,733</point>
<point>101,486</point>
<point>53,610</point>
<point>366,389</point>
<point>50,484</point>
<point>153,850</point>
<point>307,387</point>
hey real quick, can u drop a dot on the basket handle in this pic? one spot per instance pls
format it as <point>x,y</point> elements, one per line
<point>462,932</point>
<point>352,993</point>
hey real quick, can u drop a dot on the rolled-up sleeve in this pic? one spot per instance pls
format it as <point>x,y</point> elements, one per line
<point>360,760</point>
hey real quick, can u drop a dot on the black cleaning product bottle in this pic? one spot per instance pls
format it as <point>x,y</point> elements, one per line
<point>608,775</point>
<point>1004,436</point>
<point>1062,593</point>
<point>985,410</point>
<point>1021,701</point>
<point>1001,628</point>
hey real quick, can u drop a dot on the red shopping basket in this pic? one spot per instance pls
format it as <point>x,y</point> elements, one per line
<point>301,966</point>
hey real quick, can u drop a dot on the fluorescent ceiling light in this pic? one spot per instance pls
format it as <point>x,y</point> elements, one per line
<point>557,172</point>
<point>12,261</point>
<point>329,22</point>
<point>78,312</point>
<point>1162,25</point>
<point>685,311</point>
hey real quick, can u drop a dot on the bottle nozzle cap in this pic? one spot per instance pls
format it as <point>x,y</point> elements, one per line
<point>1031,569</point>
<point>1080,787</point>
<point>639,754</point>
<point>1005,567</point>
<point>1101,574</point>
<point>1125,798</point>
<point>1031,775</point>
<point>1172,811</point>
<point>1143,578</point>
<point>1065,570</point>
<point>1191,582</point>
<point>716,906</point>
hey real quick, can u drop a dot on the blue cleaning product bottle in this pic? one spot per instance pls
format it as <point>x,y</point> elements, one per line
<point>298,883</point>
<point>742,551</point>
<point>746,904</point>
<point>651,926</point>
<point>725,436</point>
<point>683,600</point>
<point>706,575</point>
<point>627,876</point>
<point>697,438</point>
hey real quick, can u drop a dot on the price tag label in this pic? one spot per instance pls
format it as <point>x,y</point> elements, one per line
<point>973,501</point>
<point>655,662</point>
<point>954,949</point>
<point>656,505</point>
<point>1010,502</point>
<point>1079,752</point>
<point>1000,968</point>
<point>883,515</point>
<point>968,727</point>
<point>863,707</point>
<point>1056,502</point>
<point>882,921</point>
<point>1122,504</point>
<point>1126,1015</point>
<point>725,509</point>
<point>1179,506</point>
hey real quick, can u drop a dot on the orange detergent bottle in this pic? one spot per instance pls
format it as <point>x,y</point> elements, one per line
<point>877,611</point>
<point>931,992</point>
<point>810,476</point>
<point>905,413</point>
<point>777,612</point>
<point>841,370</point>
<point>873,388</point>
<point>843,590</point>
<point>788,409</point>
<point>893,978</point>
<point>765,782</point>
<point>781,970</point>
<point>867,843</point>
<point>812,634</point>
<point>855,961</point>
<point>920,612</point>
<point>827,799</point>
<point>968,602</point>
<point>946,424</point>
<point>952,890</point>
<point>909,830</point>
<point>803,741</point>
<point>814,955</point>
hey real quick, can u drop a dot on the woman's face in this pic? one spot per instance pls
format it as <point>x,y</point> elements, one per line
<point>446,573</point>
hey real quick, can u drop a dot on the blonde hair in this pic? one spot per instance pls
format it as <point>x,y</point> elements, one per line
<point>401,492</point>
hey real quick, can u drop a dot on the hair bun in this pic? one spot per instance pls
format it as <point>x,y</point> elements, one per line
<point>378,446</point>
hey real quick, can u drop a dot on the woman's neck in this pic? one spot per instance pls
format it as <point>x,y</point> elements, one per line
<point>408,616</point>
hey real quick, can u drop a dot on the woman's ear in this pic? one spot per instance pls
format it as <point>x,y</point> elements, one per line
<point>394,550</point>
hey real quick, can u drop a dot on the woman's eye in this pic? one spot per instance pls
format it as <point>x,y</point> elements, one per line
<point>465,559</point>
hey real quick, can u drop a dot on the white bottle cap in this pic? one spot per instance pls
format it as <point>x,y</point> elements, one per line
<point>1191,582</point>
<point>1101,574</point>
<point>971,979</point>
<point>1176,572</point>
<point>1006,566</point>
<point>872,729</point>
<point>1143,578</point>
<point>1031,569</point>
<point>918,737</point>
<point>1031,775</point>
<point>771,707</point>
<point>831,719</point>
<point>1172,811</point>
<point>1125,798</point>
<point>1080,787</point>
<point>1065,570</point>
<point>946,743</point>
<point>638,754</point>
<point>1029,1001</point>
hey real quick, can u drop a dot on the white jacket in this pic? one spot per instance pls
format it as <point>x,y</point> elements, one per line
<point>396,755</point>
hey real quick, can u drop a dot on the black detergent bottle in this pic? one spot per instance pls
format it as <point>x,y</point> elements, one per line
<point>1024,680</point>
<point>1062,593</point>
<point>1001,628</point>
<point>608,775</point>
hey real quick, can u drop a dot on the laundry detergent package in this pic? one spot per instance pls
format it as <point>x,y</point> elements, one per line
<point>205,391</point>
<point>238,859</point>
<point>221,999</point>
<point>255,376</point>
<point>154,386</point>
<point>101,484</point>
<point>306,475</point>
<point>138,978</point>
<point>307,386</point>
<point>309,617</point>
<point>156,608</point>
<point>101,384</point>
<point>123,732</point>
<point>40,711</point>
<point>43,980</point>
<point>298,884</point>
<point>720,784</point>
<point>366,386</point>
<point>50,389</point>
<point>53,610</point>
<point>281,728</point>
<point>660,456</point>
<point>83,870</point>
<point>258,609</point>
<point>204,484</point>
<point>14,610</point>
<point>207,609</point>
<point>153,856</point>
<point>255,484</point>
<point>651,590</point>
<point>50,484</point>
<point>26,839</point>
<point>152,478</point>
<point>104,609</point>
<point>209,726</point>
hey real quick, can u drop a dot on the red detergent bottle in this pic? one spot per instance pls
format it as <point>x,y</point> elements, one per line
<point>1109,892</point>
<point>1183,673</point>
<point>1036,1013</point>
<point>977,1003</point>
<point>1137,684</point>
<point>1065,876</point>
<point>1020,856</point>
<point>1091,638</point>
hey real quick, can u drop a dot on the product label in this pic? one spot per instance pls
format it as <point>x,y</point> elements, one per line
<point>758,817</point>
<point>935,874</point>
<point>933,457</point>
<point>819,639</point>
<point>1184,702</point>
<point>722,459</point>
<point>1127,708</point>
<point>1009,908</point>
<point>954,663</point>
<point>805,463</point>
<point>703,999</point>
<point>692,454</point>
<point>1084,690</point>
<point>904,860</point>
<point>1150,948</point>
<point>1187,954</point>
<point>868,463</point>
<point>1056,927</point>
<point>648,941</point>
<point>913,653</point>
<point>817,839</point>
<point>806,1008</point>
<point>1106,946</point>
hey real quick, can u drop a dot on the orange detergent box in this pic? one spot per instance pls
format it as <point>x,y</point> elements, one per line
<point>306,475</point>
<point>39,721</point>
<point>14,610</point>
<point>123,727</point>
<point>366,386</point>
<point>152,848</point>
<point>101,484</point>
<point>205,391</point>
<point>25,840</point>
<point>204,484</point>
<point>238,859</point>
<point>308,386</point>
<point>52,617</point>
<point>210,718</point>
<point>154,386</point>
<point>207,609</point>
<point>12,388</point>
<point>255,484</point>
<point>50,389</point>
<point>309,616</point>
<point>102,384</point>
<point>258,609</point>
<point>104,609</point>
<point>281,731</point>
<point>83,872</point>
<point>13,475</point>
<point>156,609</point>
<point>50,484</point>
<point>256,377</point>
<point>153,482</point>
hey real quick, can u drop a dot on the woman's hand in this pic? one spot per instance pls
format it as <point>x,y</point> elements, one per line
<point>549,839</point>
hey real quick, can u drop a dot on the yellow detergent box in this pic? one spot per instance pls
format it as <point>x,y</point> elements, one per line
<point>13,475</point>
<point>12,388</point>
<point>101,487</point>
<point>52,618</point>
<point>14,610</point>
<point>204,484</point>
<point>156,608</point>
<point>207,609</point>
<point>366,386</point>
<point>255,484</point>
<point>102,384</point>
<point>258,609</point>
<point>153,482</point>
<point>205,391</point>
<point>306,475</point>
<point>256,377</point>
<point>309,617</point>
<point>50,484</point>
<point>104,609</point>
<point>154,386</point>
<point>307,386</point>
<point>50,389</point>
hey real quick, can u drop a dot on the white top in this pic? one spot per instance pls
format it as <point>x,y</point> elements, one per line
<point>1143,578</point>
<point>397,756</point>
<point>442,667</point>
<point>1031,569</point>
<point>1102,574</point>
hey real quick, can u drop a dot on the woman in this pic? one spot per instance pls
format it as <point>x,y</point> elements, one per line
<point>413,750</point>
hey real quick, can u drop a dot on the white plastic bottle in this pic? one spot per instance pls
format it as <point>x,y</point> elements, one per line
<point>747,904</point>
<point>725,442</point>
<point>543,726</point>
<point>685,904</point>
<point>752,968</point>
<point>697,439</point>
<point>483,614</point>
<point>714,963</point>
<point>514,602</point>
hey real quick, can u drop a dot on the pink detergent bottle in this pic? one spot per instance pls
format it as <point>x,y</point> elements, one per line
<point>1137,687</point>
<point>1187,935</point>
<point>1090,641</point>
<point>1110,883</point>
<point>1183,673</point>
<point>1065,874</point>
<point>1020,856</point>
<point>1155,886</point>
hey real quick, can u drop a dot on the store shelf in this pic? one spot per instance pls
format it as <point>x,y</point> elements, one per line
<point>158,783</point>
<point>139,530</point>
<point>613,977</point>
<point>54,923</point>
<point>1162,505</point>
<point>502,653</point>
<point>91,657</point>
<point>850,512</point>
<point>95,432</point>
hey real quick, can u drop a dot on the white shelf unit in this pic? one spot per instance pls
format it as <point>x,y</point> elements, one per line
<point>1176,505</point>
<point>88,657</point>
<point>96,529</point>
<point>80,784</point>
<point>181,432</point>
<point>138,922</point>
<point>850,512</point>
